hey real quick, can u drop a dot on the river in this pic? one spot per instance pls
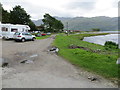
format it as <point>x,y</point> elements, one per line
<point>102,39</point>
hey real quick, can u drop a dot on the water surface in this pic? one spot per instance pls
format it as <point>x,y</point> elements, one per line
<point>102,39</point>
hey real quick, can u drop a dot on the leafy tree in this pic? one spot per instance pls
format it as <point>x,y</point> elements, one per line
<point>32,26</point>
<point>4,15</point>
<point>111,45</point>
<point>40,28</point>
<point>19,16</point>
<point>16,16</point>
<point>51,24</point>
<point>0,12</point>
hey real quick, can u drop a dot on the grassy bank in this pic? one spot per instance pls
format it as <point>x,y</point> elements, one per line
<point>92,57</point>
<point>43,37</point>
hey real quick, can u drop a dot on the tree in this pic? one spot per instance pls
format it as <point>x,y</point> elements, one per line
<point>32,26</point>
<point>0,12</point>
<point>19,16</point>
<point>51,24</point>
<point>16,16</point>
<point>40,28</point>
<point>4,15</point>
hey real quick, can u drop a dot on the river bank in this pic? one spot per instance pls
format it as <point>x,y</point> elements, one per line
<point>92,57</point>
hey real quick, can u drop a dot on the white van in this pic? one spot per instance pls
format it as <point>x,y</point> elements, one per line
<point>8,30</point>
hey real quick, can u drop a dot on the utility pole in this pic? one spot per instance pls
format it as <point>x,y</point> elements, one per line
<point>67,29</point>
<point>67,26</point>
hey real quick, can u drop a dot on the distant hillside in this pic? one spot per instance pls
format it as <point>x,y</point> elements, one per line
<point>86,24</point>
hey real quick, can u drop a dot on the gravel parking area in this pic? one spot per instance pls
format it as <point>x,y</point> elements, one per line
<point>30,65</point>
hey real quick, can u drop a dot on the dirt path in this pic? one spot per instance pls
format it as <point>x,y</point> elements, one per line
<point>47,70</point>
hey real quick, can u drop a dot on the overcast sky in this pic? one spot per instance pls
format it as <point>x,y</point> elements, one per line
<point>65,8</point>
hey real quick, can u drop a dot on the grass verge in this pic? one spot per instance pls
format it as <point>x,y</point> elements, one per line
<point>43,37</point>
<point>102,62</point>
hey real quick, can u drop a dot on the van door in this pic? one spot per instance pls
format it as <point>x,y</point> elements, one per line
<point>12,32</point>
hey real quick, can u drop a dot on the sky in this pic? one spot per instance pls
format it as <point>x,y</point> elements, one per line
<point>65,8</point>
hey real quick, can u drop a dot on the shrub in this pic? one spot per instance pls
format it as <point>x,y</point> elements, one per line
<point>95,29</point>
<point>110,45</point>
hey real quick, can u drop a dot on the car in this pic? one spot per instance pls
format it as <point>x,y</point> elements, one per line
<point>23,36</point>
<point>38,35</point>
<point>48,33</point>
<point>43,34</point>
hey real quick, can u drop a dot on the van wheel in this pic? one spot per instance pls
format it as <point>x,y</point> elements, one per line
<point>23,40</point>
<point>33,39</point>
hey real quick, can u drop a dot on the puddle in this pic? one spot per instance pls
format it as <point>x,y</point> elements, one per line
<point>34,55</point>
<point>21,54</point>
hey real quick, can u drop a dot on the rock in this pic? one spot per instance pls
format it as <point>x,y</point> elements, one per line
<point>98,49</point>
<point>26,61</point>
<point>34,55</point>
<point>23,61</point>
<point>29,61</point>
<point>92,78</point>
<point>118,61</point>
<point>54,49</point>
<point>57,49</point>
<point>3,62</point>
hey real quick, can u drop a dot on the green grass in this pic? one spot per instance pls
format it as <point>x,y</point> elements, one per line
<point>43,37</point>
<point>102,63</point>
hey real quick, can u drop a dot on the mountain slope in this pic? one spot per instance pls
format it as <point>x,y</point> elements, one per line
<point>86,24</point>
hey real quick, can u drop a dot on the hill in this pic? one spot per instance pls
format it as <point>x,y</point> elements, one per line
<point>86,24</point>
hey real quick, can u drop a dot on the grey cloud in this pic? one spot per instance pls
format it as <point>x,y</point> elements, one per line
<point>81,5</point>
<point>115,4</point>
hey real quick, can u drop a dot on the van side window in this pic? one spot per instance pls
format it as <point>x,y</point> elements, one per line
<point>14,30</point>
<point>4,29</point>
<point>23,30</point>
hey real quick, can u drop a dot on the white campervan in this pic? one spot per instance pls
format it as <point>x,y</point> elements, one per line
<point>7,30</point>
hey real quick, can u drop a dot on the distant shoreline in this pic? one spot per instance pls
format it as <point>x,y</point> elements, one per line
<point>111,32</point>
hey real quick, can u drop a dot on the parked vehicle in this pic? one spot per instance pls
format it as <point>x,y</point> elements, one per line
<point>23,36</point>
<point>43,34</point>
<point>38,35</point>
<point>8,30</point>
<point>48,33</point>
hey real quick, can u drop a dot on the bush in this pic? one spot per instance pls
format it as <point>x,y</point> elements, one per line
<point>96,29</point>
<point>110,45</point>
